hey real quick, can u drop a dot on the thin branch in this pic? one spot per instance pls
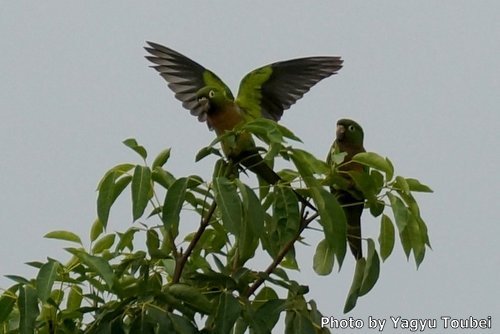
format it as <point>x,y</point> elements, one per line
<point>281,255</point>
<point>181,262</point>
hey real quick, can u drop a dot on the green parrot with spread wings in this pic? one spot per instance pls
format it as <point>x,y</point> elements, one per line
<point>265,92</point>
<point>349,139</point>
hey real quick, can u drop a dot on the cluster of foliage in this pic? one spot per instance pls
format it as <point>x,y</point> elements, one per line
<point>178,283</point>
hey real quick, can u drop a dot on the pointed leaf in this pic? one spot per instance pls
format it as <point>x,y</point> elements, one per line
<point>105,197</point>
<point>402,184</point>
<point>173,203</point>
<point>333,221</point>
<point>400,211</point>
<point>97,264</point>
<point>132,143</point>
<point>416,239</point>
<point>104,243</point>
<point>323,258</point>
<point>386,237</point>
<point>229,204</point>
<point>28,309</point>
<point>141,190</point>
<point>227,311</point>
<point>206,151</point>
<point>75,298</point>
<point>415,185</point>
<point>96,230</point>
<point>64,235</point>
<point>45,279</point>
<point>18,279</point>
<point>404,236</point>
<point>191,296</point>
<point>352,296</point>
<point>269,313</point>
<point>7,302</point>
<point>118,170</point>
<point>161,158</point>
<point>373,160</point>
<point>152,242</point>
<point>252,223</point>
<point>372,269</point>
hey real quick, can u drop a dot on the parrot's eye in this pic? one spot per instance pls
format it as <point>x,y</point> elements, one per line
<point>351,128</point>
<point>211,94</point>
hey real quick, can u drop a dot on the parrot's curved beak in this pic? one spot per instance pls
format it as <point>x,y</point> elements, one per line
<point>204,104</point>
<point>340,132</point>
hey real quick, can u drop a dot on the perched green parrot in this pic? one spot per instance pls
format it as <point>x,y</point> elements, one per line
<point>349,139</point>
<point>264,92</point>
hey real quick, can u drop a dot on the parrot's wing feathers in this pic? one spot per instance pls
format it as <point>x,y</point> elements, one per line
<point>184,76</point>
<point>269,90</point>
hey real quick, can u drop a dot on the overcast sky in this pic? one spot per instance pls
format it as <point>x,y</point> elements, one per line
<point>421,77</point>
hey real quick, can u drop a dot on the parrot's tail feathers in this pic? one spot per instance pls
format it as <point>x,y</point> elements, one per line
<point>353,215</point>
<point>253,161</point>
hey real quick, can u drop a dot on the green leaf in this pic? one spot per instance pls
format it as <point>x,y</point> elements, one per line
<point>416,239</point>
<point>28,309</point>
<point>298,322</point>
<point>206,151</point>
<point>333,221</point>
<point>45,279</point>
<point>404,236</point>
<point>96,230</point>
<point>308,165</point>
<point>386,237</point>
<point>141,324</point>
<point>400,211</point>
<point>75,298</point>
<point>152,242</point>
<point>372,269</point>
<point>252,223</point>
<point>191,296</point>
<point>323,258</point>
<point>118,170</point>
<point>132,143</point>
<point>181,325</point>
<point>18,279</point>
<point>402,184</point>
<point>64,235</point>
<point>373,160</point>
<point>286,209</point>
<point>172,205</point>
<point>162,177</point>
<point>352,296</point>
<point>104,243</point>
<point>415,185</point>
<point>227,311</point>
<point>7,302</point>
<point>141,190</point>
<point>229,204</point>
<point>126,239</point>
<point>97,264</point>
<point>106,197</point>
<point>161,159</point>
<point>269,313</point>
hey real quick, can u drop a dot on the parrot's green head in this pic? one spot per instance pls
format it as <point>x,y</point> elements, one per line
<point>212,98</point>
<point>349,132</point>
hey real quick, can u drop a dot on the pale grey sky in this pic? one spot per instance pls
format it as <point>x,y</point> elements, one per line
<point>422,77</point>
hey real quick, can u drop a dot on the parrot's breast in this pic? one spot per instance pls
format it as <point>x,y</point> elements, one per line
<point>224,118</point>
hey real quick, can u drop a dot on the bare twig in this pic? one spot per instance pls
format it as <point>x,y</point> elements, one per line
<point>181,261</point>
<point>282,253</point>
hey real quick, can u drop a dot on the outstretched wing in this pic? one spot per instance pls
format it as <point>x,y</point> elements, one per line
<point>184,76</point>
<point>269,90</point>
